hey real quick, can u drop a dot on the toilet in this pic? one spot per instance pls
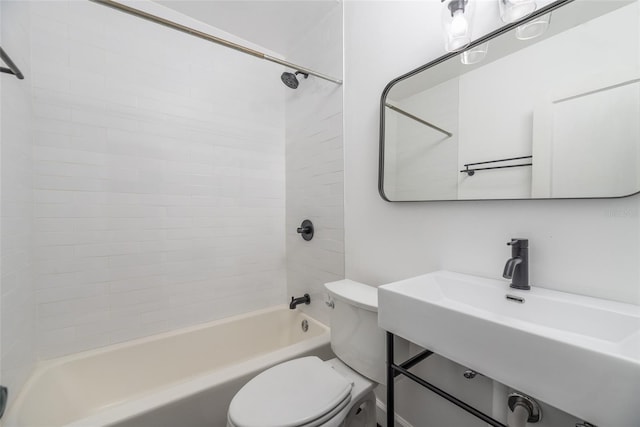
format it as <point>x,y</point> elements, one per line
<point>309,392</point>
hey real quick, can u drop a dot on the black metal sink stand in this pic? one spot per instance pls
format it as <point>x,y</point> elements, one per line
<point>393,370</point>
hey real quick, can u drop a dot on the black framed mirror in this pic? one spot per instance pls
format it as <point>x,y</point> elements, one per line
<point>556,116</point>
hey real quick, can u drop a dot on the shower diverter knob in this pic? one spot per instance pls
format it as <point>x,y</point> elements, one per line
<point>306,230</point>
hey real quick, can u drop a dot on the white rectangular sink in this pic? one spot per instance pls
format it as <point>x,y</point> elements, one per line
<point>577,353</point>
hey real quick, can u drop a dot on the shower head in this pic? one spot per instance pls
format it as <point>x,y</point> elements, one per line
<point>291,80</point>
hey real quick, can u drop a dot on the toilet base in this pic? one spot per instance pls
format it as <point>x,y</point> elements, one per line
<point>362,413</point>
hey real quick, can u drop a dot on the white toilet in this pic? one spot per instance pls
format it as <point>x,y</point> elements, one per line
<point>308,392</point>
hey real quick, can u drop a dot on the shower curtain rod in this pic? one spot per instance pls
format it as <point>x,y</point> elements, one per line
<point>174,25</point>
<point>13,68</point>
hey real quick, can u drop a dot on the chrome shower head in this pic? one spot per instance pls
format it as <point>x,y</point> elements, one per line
<point>291,80</point>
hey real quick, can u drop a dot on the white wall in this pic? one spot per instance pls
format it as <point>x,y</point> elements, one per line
<point>584,246</point>
<point>315,168</point>
<point>17,314</point>
<point>159,177</point>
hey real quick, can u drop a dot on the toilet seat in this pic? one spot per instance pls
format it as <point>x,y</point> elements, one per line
<point>303,392</point>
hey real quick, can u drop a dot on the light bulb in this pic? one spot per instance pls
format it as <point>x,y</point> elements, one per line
<point>459,25</point>
<point>456,24</point>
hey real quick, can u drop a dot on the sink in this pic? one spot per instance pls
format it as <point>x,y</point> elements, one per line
<point>577,353</point>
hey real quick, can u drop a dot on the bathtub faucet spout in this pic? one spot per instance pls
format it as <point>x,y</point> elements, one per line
<point>306,299</point>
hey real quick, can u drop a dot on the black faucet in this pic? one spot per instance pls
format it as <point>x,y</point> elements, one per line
<point>517,267</point>
<point>306,299</point>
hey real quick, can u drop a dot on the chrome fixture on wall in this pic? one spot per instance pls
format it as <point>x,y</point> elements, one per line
<point>290,79</point>
<point>306,230</point>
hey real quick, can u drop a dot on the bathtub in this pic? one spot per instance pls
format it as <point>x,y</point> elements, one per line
<point>184,378</point>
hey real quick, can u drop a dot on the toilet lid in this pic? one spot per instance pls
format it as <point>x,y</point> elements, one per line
<point>290,394</point>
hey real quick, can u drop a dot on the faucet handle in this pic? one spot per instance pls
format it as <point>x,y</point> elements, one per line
<point>522,243</point>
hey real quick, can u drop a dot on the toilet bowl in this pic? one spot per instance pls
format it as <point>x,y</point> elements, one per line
<point>309,392</point>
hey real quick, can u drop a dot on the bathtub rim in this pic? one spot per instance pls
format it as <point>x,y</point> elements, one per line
<point>121,411</point>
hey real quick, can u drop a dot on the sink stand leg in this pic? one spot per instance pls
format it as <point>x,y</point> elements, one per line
<point>390,381</point>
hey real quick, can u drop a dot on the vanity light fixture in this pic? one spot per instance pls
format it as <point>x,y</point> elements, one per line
<point>512,10</point>
<point>456,19</point>
<point>534,28</point>
<point>474,54</point>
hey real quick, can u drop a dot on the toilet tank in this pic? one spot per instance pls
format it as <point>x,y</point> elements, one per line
<point>355,336</point>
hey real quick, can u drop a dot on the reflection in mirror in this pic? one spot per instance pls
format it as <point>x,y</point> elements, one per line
<point>515,117</point>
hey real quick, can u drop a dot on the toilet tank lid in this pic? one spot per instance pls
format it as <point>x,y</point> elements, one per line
<point>356,293</point>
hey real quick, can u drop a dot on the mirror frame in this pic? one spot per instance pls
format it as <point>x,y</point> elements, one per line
<point>504,29</point>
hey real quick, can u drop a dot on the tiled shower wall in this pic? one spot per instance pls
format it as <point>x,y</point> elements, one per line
<point>159,177</point>
<point>315,167</point>
<point>17,314</point>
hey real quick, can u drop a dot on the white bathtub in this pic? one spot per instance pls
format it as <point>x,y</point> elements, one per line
<point>178,379</point>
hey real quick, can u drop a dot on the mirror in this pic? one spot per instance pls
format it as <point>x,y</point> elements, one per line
<point>555,116</point>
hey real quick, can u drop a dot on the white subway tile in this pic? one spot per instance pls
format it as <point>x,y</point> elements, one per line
<point>145,181</point>
<point>106,249</point>
<point>65,320</point>
<point>61,293</point>
<point>80,305</point>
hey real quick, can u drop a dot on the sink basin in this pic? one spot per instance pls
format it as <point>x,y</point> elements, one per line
<point>577,353</point>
